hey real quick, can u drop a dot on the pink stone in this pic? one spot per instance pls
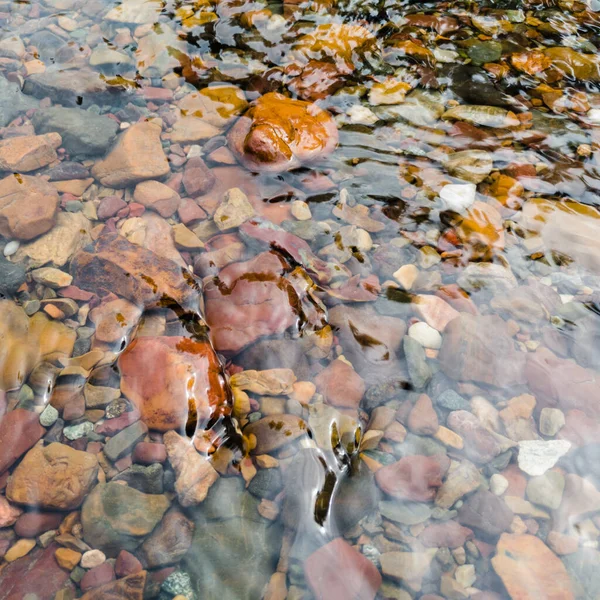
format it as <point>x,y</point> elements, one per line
<point>127,564</point>
<point>110,206</point>
<point>197,177</point>
<point>190,212</point>
<point>337,571</point>
<point>8,513</point>
<point>413,477</point>
<point>136,210</point>
<point>341,385</point>
<point>146,453</point>
<point>423,419</point>
<point>75,293</point>
<point>434,311</point>
<point>97,576</point>
<point>159,95</point>
<point>449,534</point>
<point>32,524</point>
<point>112,426</point>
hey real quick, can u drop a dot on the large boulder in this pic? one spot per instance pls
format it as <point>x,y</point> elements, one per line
<point>116,517</point>
<point>83,132</point>
<point>54,477</point>
<point>278,134</point>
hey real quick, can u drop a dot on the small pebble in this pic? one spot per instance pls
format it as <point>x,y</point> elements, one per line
<point>498,484</point>
<point>426,335</point>
<point>11,248</point>
<point>49,416</point>
<point>92,558</point>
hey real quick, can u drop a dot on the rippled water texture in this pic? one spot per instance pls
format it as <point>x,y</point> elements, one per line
<point>299,300</point>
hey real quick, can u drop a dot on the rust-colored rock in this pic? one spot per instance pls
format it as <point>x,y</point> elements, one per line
<point>413,477</point>
<point>53,477</point>
<point>28,207</point>
<point>337,571</point>
<point>185,381</point>
<point>128,588</point>
<point>530,570</point>
<point>137,274</point>
<point>278,134</point>
<point>136,156</point>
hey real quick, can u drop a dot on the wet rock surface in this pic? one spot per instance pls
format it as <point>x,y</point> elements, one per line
<point>299,300</point>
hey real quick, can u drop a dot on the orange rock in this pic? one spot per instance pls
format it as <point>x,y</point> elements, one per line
<point>28,207</point>
<point>66,558</point>
<point>158,197</point>
<point>278,134</point>
<point>29,152</point>
<point>481,229</point>
<point>530,570</point>
<point>138,155</point>
<point>531,62</point>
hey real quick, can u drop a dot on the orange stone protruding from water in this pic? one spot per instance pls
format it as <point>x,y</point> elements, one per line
<point>278,134</point>
<point>170,378</point>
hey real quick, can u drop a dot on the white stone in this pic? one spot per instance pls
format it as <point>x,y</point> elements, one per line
<point>92,558</point>
<point>552,420</point>
<point>406,276</point>
<point>498,484</point>
<point>426,335</point>
<point>11,248</point>
<point>355,237</point>
<point>234,210</point>
<point>362,115</point>
<point>538,456</point>
<point>301,210</point>
<point>458,196</point>
<point>445,56</point>
<point>465,575</point>
<point>594,115</point>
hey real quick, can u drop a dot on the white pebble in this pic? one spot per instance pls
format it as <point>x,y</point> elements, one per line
<point>11,248</point>
<point>538,456</point>
<point>195,150</point>
<point>92,558</point>
<point>498,484</point>
<point>301,210</point>
<point>594,115</point>
<point>458,196</point>
<point>362,115</point>
<point>426,335</point>
<point>124,125</point>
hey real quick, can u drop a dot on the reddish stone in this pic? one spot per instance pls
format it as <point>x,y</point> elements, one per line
<point>480,445</point>
<point>35,575</point>
<point>100,575</point>
<point>530,570</point>
<point>189,211</point>
<point>449,534</point>
<point>241,309</point>
<point>183,369</point>
<point>158,95</point>
<point>337,571</point>
<point>517,482</point>
<point>127,564</point>
<point>341,385</point>
<point>129,588</point>
<point>560,382</point>
<point>197,177</point>
<point>146,453</point>
<point>109,206</point>
<point>31,524</point>
<point>136,209</point>
<point>413,477</point>
<point>423,419</point>
<point>19,431</point>
<point>486,513</point>
<point>111,427</point>
<point>134,273</point>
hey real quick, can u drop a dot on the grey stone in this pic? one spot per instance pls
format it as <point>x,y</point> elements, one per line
<point>451,400</point>
<point>82,132</point>
<point>74,432</point>
<point>179,583</point>
<point>12,276</point>
<point>418,370</point>
<point>406,513</point>
<point>547,489</point>
<point>147,479</point>
<point>13,102</point>
<point>49,416</point>
<point>117,517</point>
<point>267,483</point>
<point>125,440</point>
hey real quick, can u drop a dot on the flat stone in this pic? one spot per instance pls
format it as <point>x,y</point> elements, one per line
<point>275,432</point>
<point>19,431</point>
<point>51,277</point>
<point>538,456</point>
<point>28,207</point>
<point>83,132</point>
<point>405,513</point>
<point>486,513</point>
<point>29,152</point>
<point>13,102</point>
<point>122,443</point>
<point>54,477</point>
<point>234,210</point>
<point>158,197</point>
<point>137,155</point>
<point>130,587</point>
